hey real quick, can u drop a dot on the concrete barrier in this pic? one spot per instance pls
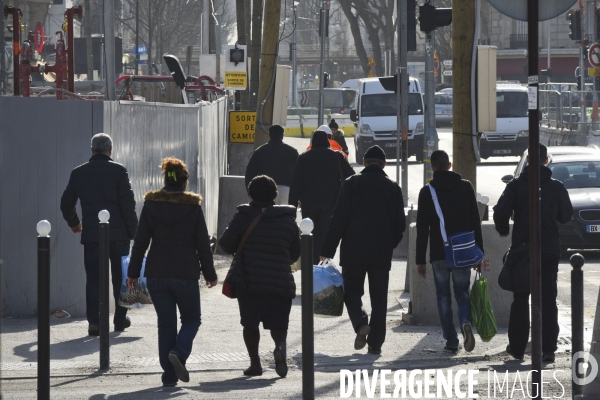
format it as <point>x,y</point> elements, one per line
<point>424,303</point>
<point>232,193</point>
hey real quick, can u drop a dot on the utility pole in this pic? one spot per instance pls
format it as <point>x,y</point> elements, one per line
<point>294,67</point>
<point>137,35</point>
<point>241,32</point>
<point>583,120</point>
<point>430,141</point>
<point>109,48</point>
<point>3,73</point>
<point>402,99</point>
<point>463,30</point>
<point>87,27</point>
<point>255,49</point>
<point>323,22</point>
<point>268,65</point>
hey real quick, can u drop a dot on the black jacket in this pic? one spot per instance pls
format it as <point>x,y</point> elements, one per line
<point>274,159</point>
<point>459,208</point>
<point>273,245</point>
<point>555,207</point>
<point>339,138</point>
<point>368,218</point>
<point>317,177</point>
<point>100,184</point>
<point>174,221</point>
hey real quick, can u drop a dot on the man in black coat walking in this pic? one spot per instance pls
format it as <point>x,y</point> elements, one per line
<point>274,159</point>
<point>555,207</point>
<point>458,204</point>
<point>316,181</point>
<point>369,220</point>
<point>101,184</point>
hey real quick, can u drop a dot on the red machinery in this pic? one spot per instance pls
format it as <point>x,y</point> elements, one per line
<point>17,15</point>
<point>59,68</point>
<point>204,84</point>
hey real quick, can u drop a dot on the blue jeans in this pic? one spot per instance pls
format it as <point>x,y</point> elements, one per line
<point>461,278</point>
<point>167,295</point>
<point>91,259</point>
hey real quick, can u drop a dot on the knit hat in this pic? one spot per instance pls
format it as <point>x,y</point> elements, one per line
<point>319,139</point>
<point>543,151</point>
<point>375,152</point>
<point>333,124</point>
<point>325,128</point>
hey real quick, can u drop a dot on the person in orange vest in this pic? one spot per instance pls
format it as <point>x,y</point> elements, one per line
<point>333,145</point>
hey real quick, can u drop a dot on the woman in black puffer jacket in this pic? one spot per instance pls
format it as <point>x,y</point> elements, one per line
<point>262,275</point>
<point>173,220</point>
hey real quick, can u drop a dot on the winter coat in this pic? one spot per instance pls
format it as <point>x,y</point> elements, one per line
<point>459,208</point>
<point>263,267</point>
<point>317,177</point>
<point>368,218</point>
<point>100,184</point>
<point>173,220</point>
<point>339,138</point>
<point>555,206</point>
<point>274,159</point>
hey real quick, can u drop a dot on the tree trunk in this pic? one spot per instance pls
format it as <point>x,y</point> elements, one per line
<point>462,40</point>
<point>87,27</point>
<point>268,65</point>
<point>150,34</point>
<point>358,43</point>
<point>241,32</point>
<point>257,7</point>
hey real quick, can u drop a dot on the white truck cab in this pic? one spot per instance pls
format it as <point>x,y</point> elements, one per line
<point>375,118</point>
<point>511,137</point>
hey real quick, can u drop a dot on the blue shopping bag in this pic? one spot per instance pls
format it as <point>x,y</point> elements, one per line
<point>138,296</point>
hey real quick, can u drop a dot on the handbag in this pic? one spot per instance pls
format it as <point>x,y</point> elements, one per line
<point>460,248</point>
<point>228,289</point>
<point>514,276</point>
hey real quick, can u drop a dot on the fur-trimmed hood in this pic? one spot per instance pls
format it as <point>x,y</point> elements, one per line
<point>174,197</point>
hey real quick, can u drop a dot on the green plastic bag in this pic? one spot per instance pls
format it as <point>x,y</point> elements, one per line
<point>481,310</point>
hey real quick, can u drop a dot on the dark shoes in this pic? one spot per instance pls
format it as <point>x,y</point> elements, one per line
<point>253,370</point>
<point>548,357</point>
<point>451,349</point>
<point>93,330</point>
<point>469,339</point>
<point>280,362</point>
<point>361,337</point>
<point>513,355</point>
<point>372,350</point>
<point>121,327</point>
<point>179,365</point>
<point>169,384</point>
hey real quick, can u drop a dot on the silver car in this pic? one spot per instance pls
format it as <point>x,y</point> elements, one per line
<point>443,108</point>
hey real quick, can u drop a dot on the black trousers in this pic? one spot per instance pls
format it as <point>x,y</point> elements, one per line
<point>354,283</point>
<point>91,257</point>
<point>320,216</point>
<point>518,324</point>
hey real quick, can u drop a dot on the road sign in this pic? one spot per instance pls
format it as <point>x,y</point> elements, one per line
<point>594,55</point>
<point>436,62</point>
<point>39,37</point>
<point>236,80</point>
<point>141,49</point>
<point>371,74</point>
<point>447,63</point>
<point>242,125</point>
<point>593,71</point>
<point>447,73</point>
<point>371,61</point>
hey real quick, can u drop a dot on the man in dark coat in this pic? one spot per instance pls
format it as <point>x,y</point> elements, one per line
<point>555,207</point>
<point>458,203</point>
<point>276,160</point>
<point>316,181</point>
<point>369,220</point>
<point>101,184</point>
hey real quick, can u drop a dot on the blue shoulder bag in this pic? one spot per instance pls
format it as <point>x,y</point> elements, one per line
<point>460,248</point>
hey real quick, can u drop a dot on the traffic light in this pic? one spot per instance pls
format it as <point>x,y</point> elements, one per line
<point>585,44</point>
<point>236,56</point>
<point>579,85</point>
<point>431,18</point>
<point>574,18</point>
<point>411,26</point>
<point>325,79</point>
<point>390,83</point>
<point>597,24</point>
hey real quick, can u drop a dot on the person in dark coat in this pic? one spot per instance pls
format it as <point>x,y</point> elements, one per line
<point>555,207</point>
<point>459,207</point>
<point>262,276</point>
<point>275,159</point>
<point>173,221</point>
<point>316,182</point>
<point>101,184</point>
<point>338,135</point>
<point>369,220</point>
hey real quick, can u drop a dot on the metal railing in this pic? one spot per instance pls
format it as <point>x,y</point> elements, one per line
<point>518,41</point>
<point>563,110</point>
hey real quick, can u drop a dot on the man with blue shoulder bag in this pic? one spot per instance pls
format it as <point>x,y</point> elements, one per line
<point>448,218</point>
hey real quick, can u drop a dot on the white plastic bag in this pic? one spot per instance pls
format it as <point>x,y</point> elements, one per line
<point>138,296</point>
<point>328,290</point>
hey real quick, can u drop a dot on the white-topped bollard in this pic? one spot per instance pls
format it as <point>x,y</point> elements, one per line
<point>104,257</point>
<point>308,334</point>
<point>43,383</point>
<point>485,199</point>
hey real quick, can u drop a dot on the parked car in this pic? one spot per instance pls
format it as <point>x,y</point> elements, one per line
<point>578,168</point>
<point>443,108</point>
<point>446,91</point>
<point>340,100</point>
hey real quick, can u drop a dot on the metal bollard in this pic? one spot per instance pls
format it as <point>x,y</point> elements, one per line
<point>308,332</point>
<point>104,244</point>
<point>577,262</point>
<point>43,384</point>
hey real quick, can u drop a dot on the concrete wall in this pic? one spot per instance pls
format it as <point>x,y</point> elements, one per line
<point>424,304</point>
<point>232,193</point>
<point>41,141</point>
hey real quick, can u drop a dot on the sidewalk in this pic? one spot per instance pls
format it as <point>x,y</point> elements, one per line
<point>219,354</point>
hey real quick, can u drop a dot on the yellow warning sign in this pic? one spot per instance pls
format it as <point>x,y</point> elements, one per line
<point>371,74</point>
<point>242,125</point>
<point>235,80</point>
<point>371,61</point>
<point>593,71</point>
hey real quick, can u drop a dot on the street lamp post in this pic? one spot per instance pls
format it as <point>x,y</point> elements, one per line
<point>294,68</point>
<point>323,24</point>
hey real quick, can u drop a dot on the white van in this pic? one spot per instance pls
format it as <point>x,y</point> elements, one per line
<point>375,118</point>
<point>511,137</point>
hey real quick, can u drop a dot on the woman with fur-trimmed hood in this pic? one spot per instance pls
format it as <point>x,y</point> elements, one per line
<point>173,220</point>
